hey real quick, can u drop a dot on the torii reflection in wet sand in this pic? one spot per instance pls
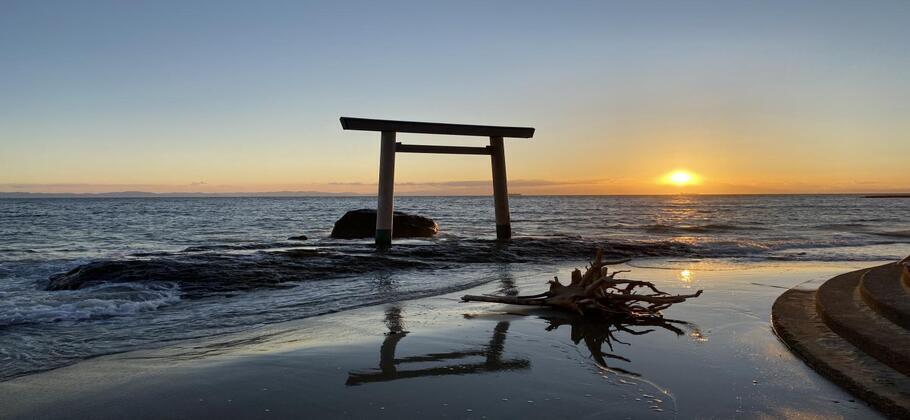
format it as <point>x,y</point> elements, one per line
<point>388,363</point>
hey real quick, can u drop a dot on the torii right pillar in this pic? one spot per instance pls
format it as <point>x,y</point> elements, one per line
<point>500,189</point>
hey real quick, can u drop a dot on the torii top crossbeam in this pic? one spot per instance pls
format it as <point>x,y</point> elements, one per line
<point>389,147</point>
<point>365,124</point>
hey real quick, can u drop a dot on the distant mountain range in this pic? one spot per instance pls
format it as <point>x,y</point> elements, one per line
<point>144,194</point>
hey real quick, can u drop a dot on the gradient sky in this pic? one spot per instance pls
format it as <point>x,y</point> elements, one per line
<point>245,96</point>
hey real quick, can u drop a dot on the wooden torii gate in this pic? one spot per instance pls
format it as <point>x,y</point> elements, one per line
<point>389,147</point>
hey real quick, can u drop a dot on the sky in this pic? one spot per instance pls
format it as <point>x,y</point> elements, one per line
<point>222,96</point>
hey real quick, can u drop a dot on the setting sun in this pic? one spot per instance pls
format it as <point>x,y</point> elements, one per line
<point>681,178</point>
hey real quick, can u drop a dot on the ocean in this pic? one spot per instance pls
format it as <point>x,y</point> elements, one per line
<point>143,272</point>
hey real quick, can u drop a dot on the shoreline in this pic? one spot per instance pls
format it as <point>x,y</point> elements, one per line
<point>437,356</point>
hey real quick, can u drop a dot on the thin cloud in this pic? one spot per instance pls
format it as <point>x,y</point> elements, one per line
<point>486,183</point>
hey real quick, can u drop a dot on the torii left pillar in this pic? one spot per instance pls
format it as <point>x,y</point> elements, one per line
<point>385,207</point>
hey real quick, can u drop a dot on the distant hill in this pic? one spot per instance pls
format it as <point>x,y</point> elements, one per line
<point>905,195</point>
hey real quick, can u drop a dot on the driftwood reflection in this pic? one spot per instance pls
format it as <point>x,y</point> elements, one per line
<point>389,364</point>
<point>595,332</point>
<point>508,287</point>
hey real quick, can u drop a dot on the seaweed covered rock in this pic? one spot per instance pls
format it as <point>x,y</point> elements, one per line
<point>361,223</point>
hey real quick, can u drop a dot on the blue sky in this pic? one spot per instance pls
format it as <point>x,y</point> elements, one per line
<point>755,96</point>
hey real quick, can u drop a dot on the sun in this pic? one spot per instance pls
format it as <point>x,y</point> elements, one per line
<point>681,178</point>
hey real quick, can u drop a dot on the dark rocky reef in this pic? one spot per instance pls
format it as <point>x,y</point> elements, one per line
<point>220,269</point>
<point>205,274</point>
<point>361,223</point>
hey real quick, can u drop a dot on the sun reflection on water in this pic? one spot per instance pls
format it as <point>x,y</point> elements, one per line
<point>697,336</point>
<point>685,276</point>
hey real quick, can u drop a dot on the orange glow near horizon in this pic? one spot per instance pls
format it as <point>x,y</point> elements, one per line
<point>784,104</point>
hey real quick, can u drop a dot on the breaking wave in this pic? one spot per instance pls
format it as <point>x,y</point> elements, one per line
<point>100,301</point>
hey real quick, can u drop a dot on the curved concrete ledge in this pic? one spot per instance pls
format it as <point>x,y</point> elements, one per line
<point>882,289</point>
<point>839,305</point>
<point>799,327</point>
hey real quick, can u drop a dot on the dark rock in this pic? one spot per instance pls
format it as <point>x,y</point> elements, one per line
<point>221,270</point>
<point>298,238</point>
<point>200,275</point>
<point>362,224</point>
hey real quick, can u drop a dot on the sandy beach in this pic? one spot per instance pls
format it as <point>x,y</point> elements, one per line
<point>443,358</point>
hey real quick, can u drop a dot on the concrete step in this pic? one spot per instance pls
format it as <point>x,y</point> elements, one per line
<point>798,325</point>
<point>840,306</point>
<point>882,289</point>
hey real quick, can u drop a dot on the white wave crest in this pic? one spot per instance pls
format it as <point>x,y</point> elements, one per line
<point>101,301</point>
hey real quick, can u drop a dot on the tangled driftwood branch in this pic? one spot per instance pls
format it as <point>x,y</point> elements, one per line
<point>596,292</point>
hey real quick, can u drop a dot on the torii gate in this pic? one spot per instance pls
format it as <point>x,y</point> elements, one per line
<point>387,163</point>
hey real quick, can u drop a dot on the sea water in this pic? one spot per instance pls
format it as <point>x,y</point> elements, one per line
<point>168,269</point>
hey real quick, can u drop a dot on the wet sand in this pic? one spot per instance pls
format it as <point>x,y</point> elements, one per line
<point>442,358</point>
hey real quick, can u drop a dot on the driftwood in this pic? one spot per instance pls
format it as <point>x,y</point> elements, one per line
<point>596,292</point>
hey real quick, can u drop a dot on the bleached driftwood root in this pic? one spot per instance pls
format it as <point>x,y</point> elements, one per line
<point>596,292</point>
